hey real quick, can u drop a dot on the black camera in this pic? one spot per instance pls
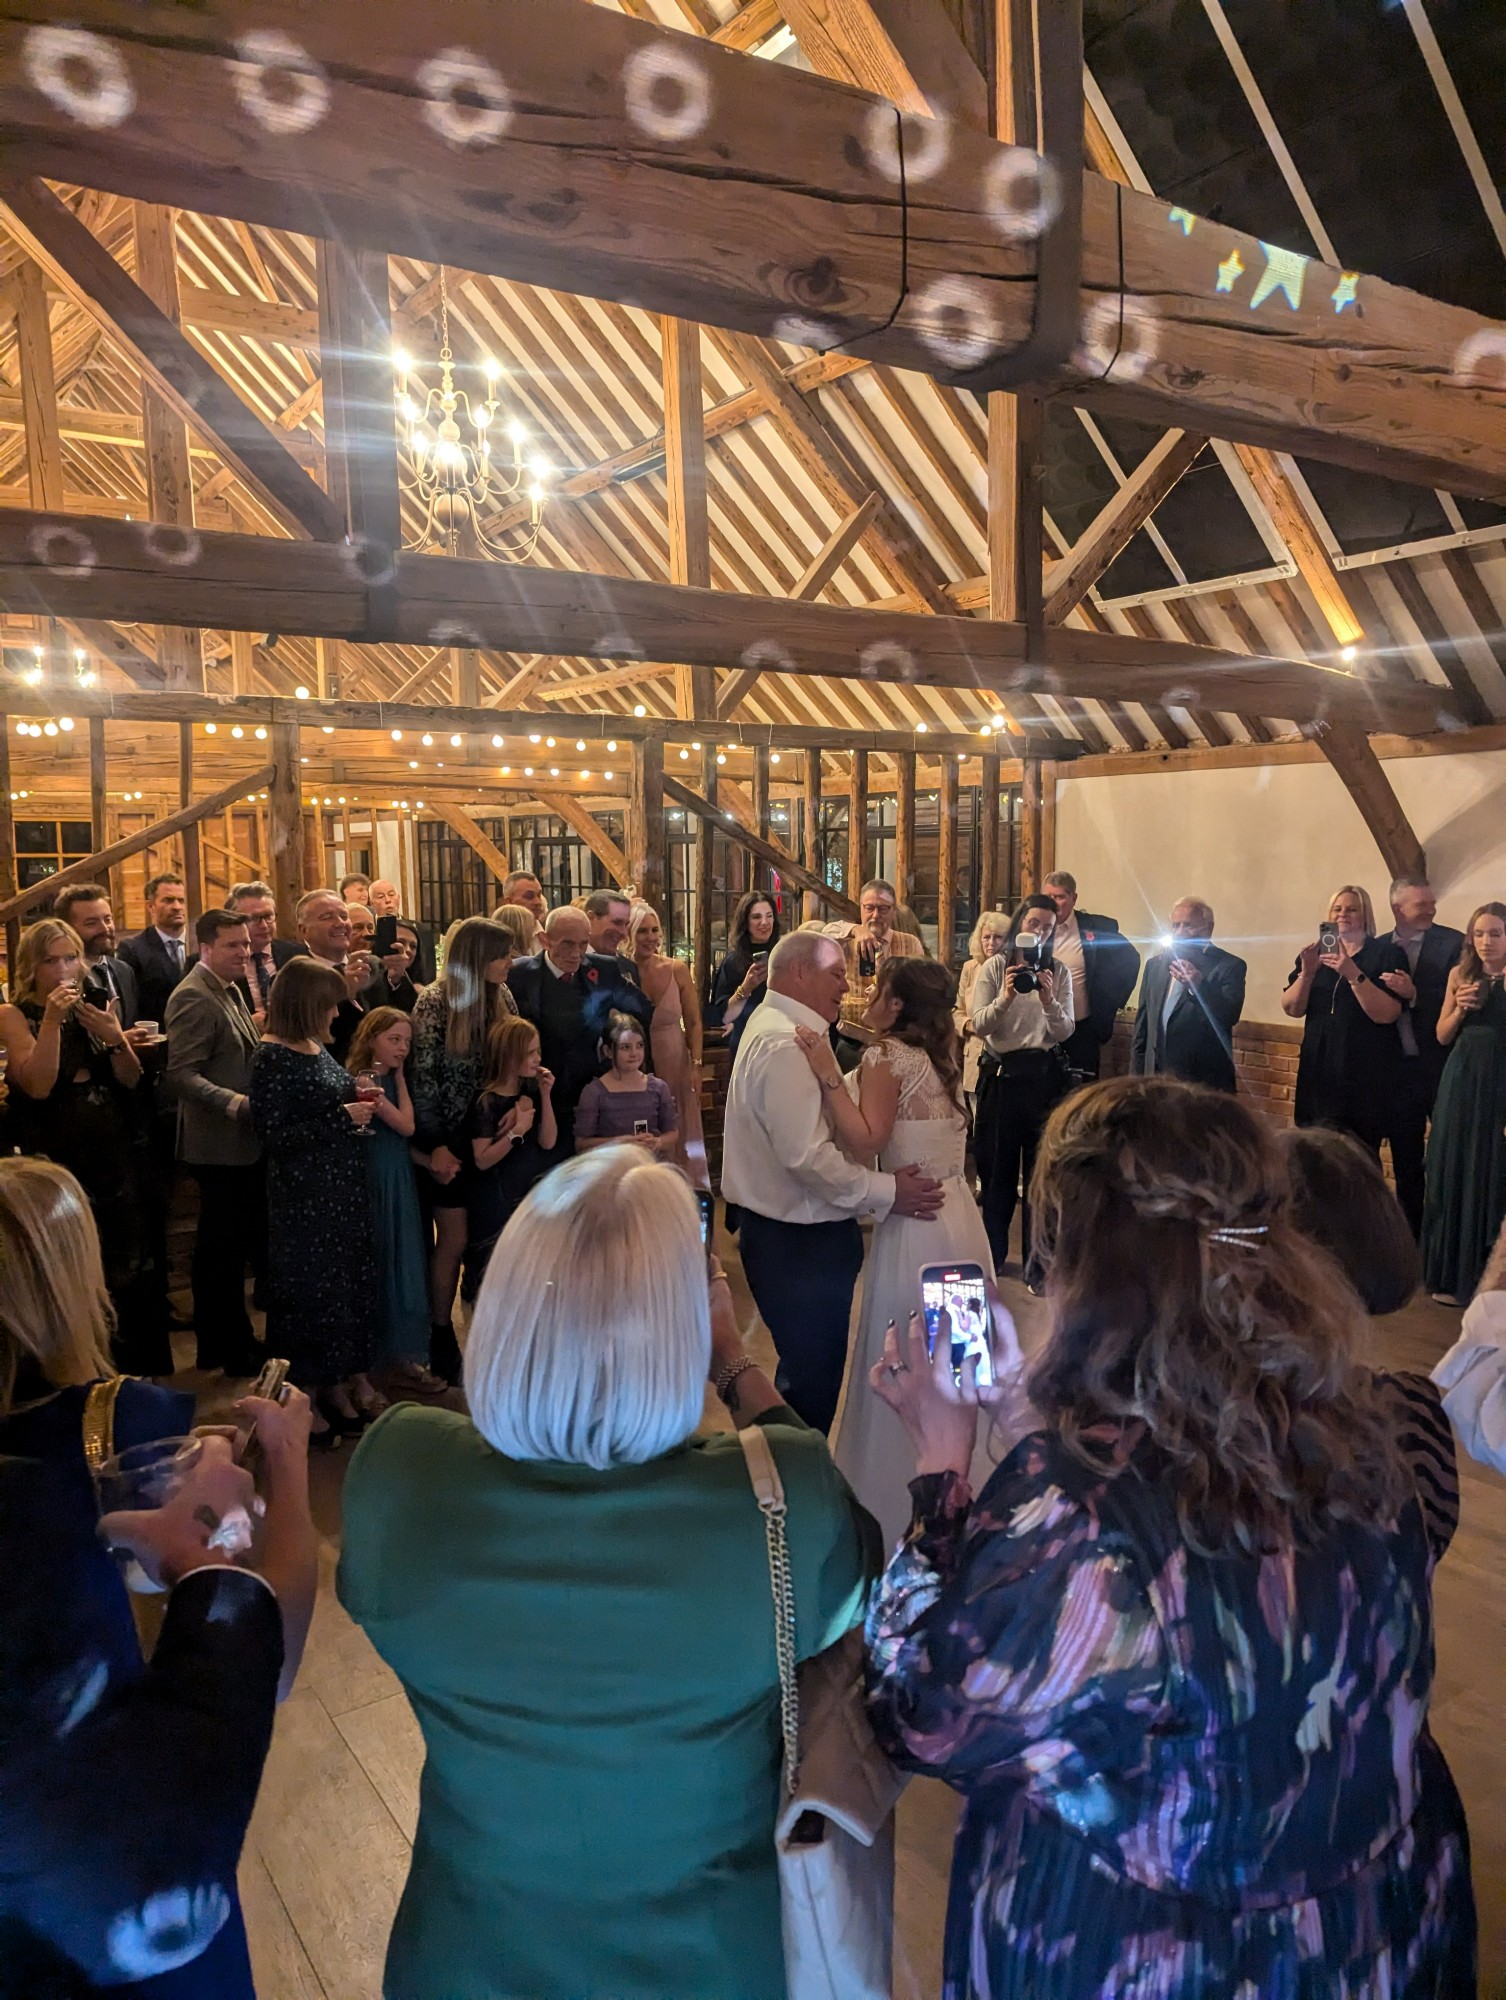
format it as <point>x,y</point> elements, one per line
<point>1032,957</point>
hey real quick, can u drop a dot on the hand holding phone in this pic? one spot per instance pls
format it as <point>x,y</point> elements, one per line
<point>706,1202</point>
<point>954,1299</point>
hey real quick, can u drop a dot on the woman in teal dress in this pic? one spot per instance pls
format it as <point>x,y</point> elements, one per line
<point>1466,1166</point>
<point>574,1590</point>
<point>383,1043</point>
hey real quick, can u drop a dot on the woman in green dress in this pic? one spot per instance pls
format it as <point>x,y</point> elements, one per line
<point>383,1044</point>
<point>574,1590</point>
<point>1466,1167</point>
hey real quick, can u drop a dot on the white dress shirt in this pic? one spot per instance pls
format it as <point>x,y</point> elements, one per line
<point>1066,951</point>
<point>1472,1376</point>
<point>1020,1020</point>
<point>778,1156</point>
<point>176,946</point>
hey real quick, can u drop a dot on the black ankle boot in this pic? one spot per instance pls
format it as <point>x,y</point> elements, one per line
<point>444,1352</point>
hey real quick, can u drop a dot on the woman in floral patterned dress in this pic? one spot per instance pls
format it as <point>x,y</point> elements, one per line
<point>1178,1652</point>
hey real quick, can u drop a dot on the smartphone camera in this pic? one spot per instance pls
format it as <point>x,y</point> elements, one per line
<point>384,939</point>
<point>640,1128</point>
<point>706,1203</point>
<point>954,1299</point>
<point>1328,940</point>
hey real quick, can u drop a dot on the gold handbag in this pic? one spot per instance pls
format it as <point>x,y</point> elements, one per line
<point>834,1834</point>
<point>99,1420</point>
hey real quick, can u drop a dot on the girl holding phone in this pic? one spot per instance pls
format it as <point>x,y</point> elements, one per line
<point>626,1103</point>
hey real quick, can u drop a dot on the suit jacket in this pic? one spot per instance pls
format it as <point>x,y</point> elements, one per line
<point>122,976</point>
<point>1196,1041</point>
<point>1438,956</point>
<point>570,1047</point>
<point>282,950</point>
<point>211,1040</point>
<point>1111,965</point>
<point>156,975</point>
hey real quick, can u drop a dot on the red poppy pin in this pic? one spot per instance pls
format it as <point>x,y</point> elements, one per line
<point>592,975</point>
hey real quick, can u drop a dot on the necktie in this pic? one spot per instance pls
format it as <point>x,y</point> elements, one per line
<point>175,948</point>
<point>265,972</point>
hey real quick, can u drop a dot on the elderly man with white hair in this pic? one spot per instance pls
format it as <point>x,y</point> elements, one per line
<point>798,1194</point>
<point>568,992</point>
<point>1191,998</point>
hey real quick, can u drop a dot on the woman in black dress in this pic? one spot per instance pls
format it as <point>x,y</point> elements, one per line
<point>1466,1167</point>
<point>321,1271</point>
<point>1350,1001</point>
<point>739,985</point>
<point>74,1083</point>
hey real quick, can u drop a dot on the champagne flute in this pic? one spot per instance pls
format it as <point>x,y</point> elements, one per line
<point>368,1091</point>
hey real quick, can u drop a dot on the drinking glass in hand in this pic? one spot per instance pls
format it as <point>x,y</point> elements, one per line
<point>368,1091</point>
<point>146,1476</point>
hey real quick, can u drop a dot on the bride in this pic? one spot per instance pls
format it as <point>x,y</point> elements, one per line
<point>903,1103</point>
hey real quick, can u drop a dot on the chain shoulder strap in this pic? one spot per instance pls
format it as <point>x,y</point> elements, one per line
<point>99,1421</point>
<point>768,1490</point>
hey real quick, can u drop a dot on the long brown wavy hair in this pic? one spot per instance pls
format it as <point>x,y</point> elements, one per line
<point>924,991</point>
<point>1235,1358</point>
<point>1470,968</point>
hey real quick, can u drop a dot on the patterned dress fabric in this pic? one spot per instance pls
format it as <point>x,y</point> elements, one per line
<point>1185,1777</point>
<point>321,1274</point>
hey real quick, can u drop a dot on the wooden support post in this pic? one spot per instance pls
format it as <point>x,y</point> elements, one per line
<point>242,658</point>
<point>1364,778</point>
<point>465,672</point>
<point>685,476</point>
<point>1031,869</point>
<point>193,857</point>
<point>360,428</point>
<point>1049,769</point>
<point>327,669</point>
<point>169,477</point>
<point>760,791</point>
<point>812,798</point>
<point>99,832</point>
<point>406,887</point>
<point>904,826</point>
<point>7,852</point>
<point>645,822</point>
<point>285,827</point>
<point>705,858</point>
<point>857,825</point>
<point>39,396</point>
<point>946,860</point>
<point>988,834</point>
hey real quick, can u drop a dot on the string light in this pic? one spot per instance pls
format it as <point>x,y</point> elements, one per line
<point>300,694</point>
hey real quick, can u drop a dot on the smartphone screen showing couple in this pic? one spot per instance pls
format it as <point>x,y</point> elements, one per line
<point>956,1308</point>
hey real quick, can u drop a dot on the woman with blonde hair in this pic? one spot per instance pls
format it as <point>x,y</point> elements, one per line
<point>588,1643</point>
<point>1177,1654</point>
<point>674,1031</point>
<point>72,1079</point>
<point>988,938</point>
<point>522,924</point>
<point>1349,1000</point>
<point>451,1022</point>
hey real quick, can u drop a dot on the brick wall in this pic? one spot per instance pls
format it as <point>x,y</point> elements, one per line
<point>1265,1061</point>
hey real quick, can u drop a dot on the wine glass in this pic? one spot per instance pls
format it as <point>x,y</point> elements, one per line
<point>368,1091</point>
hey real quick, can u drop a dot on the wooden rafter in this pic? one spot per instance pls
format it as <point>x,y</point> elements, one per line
<point>591,831</point>
<point>1118,521</point>
<point>761,850</point>
<point>1365,780</point>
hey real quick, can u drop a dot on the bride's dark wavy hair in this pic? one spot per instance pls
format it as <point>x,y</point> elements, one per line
<point>1236,1353</point>
<point>924,990</point>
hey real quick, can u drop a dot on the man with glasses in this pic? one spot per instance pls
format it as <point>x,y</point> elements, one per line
<point>269,953</point>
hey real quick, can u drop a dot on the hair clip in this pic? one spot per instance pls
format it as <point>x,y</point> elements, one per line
<point>1239,1239</point>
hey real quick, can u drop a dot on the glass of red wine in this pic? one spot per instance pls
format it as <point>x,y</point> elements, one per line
<point>368,1091</point>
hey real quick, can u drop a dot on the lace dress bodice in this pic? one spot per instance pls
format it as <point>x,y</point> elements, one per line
<point>929,1130</point>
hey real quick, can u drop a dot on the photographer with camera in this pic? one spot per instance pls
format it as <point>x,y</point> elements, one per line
<point>1022,1011</point>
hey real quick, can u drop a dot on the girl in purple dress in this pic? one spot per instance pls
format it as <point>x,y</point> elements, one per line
<point>626,1103</point>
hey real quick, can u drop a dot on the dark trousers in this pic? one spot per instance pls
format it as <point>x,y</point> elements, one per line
<point>802,1276</point>
<point>1016,1094</point>
<point>1083,1050</point>
<point>1407,1130</point>
<point>232,1234</point>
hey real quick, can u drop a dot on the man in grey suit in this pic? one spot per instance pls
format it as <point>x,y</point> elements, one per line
<point>1191,999</point>
<point>211,1040</point>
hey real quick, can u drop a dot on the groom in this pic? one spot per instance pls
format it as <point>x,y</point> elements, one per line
<point>799,1194</point>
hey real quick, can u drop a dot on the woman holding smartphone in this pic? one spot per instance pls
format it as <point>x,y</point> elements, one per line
<point>1348,989</point>
<point>73,1080</point>
<point>1466,1165</point>
<point>626,1103</point>
<point>741,978</point>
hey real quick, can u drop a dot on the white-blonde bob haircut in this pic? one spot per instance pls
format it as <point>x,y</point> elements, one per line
<point>591,1339</point>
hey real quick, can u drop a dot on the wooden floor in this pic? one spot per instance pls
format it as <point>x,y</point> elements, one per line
<point>328,1851</point>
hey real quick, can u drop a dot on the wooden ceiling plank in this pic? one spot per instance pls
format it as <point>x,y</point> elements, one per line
<point>175,369</point>
<point>895,478</point>
<point>1478,602</point>
<point>1408,586</point>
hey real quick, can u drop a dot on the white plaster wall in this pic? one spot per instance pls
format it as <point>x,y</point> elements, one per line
<point>1268,846</point>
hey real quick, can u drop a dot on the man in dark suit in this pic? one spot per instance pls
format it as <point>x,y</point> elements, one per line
<point>567,991</point>
<point>1190,999</point>
<point>324,933</point>
<point>211,1040</point>
<point>384,901</point>
<point>159,954</point>
<point>1432,951</point>
<point>609,913</point>
<point>1104,966</point>
<point>268,954</point>
<point>86,905</point>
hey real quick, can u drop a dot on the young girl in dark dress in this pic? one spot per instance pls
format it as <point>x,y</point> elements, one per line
<point>512,1133</point>
<point>1349,1001</point>
<point>321,1276</point>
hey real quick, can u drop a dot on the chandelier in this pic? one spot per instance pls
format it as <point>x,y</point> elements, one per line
<point>455,477</point>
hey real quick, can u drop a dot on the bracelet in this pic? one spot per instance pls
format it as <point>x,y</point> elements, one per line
<point>723,1379</point>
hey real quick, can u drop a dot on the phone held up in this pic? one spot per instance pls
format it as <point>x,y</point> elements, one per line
<point>1328,940</point>
<point>384,939</point>
<point>272,1384</point>
<point>954,1298</point>
<point>706,1203</point>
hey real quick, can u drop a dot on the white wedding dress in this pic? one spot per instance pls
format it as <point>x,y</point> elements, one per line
<point>869,1443</point>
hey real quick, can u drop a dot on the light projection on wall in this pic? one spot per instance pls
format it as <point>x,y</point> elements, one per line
<point>1230,271</point>
<point>1283,272</point>
<point>1184,219</point>
<point>1344,291</point>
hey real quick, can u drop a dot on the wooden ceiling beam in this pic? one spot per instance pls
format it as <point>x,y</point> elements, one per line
<point>51,233</point>
<point>1363,776</point>
<point>777,858</point>
<point>592,832</point>
<point>685,477</point>
<point>1118,522</point>
<point>91,567</point>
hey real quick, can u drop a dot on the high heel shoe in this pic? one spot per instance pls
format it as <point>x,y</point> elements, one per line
<point>340,1424</point>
